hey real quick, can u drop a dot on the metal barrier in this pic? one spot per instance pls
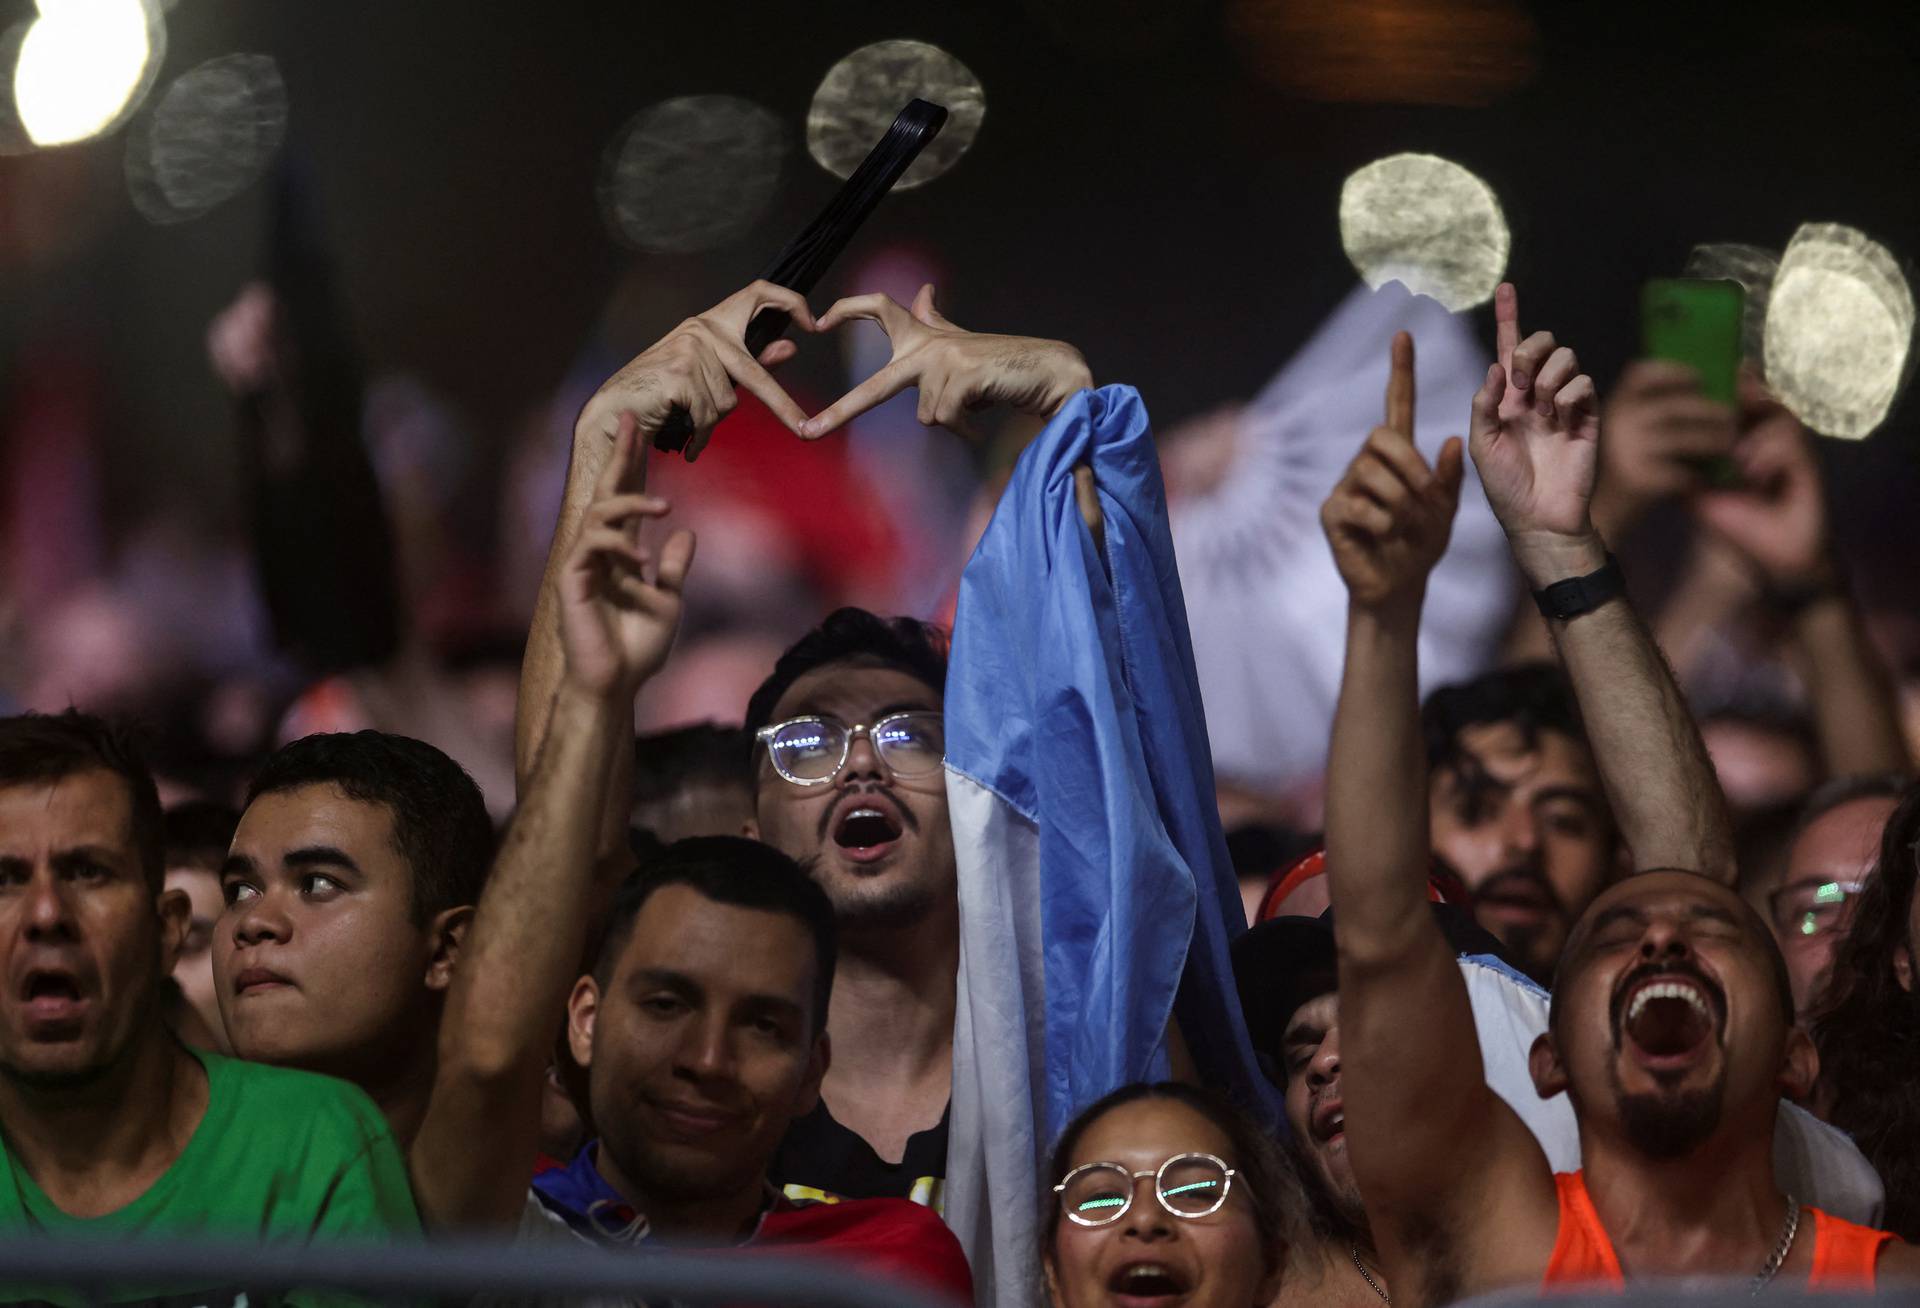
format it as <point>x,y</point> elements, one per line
<point>453,1271</point>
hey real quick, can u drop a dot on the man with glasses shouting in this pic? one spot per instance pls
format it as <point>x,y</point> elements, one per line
<point>849,738</point>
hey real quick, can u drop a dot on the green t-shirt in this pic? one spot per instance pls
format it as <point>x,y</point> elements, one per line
<point>280,1155</point>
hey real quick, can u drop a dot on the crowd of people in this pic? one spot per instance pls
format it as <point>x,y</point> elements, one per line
<point>1536,1012</point>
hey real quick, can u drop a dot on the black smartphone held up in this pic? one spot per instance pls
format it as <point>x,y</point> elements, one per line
<point>1698,323</point>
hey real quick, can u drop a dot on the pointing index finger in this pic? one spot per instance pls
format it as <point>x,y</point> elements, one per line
<point>1400,385</point>
<point>1506,323</point>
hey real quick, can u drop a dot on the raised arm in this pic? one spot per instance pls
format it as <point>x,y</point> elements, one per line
<point>616,611</point>
<point>1430,1142</point>
<point>1535,440</point>
<point>695,366</point>
<point>1777,520</point>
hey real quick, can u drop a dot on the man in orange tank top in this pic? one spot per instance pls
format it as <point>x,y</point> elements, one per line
<point>1672,1021</point>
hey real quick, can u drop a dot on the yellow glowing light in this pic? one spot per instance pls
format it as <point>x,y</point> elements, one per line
<point>1427,223</point>
<point>83,66</point>
<point>1839,327</point>
<point>862,94</point>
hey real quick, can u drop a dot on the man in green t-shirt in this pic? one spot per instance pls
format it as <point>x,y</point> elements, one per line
<point>111,1126</point>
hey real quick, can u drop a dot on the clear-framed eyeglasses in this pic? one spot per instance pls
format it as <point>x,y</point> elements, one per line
<point>810,751</point>
<point>1814,907</point>
<point>1187,1185</point>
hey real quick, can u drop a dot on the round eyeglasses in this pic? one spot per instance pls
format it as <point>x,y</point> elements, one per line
<point>810,751</point>
<point>1813,908</point>
<point>1187,1185</point>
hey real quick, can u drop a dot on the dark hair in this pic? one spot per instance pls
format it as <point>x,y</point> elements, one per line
<point>740,873</point>
<point>1268,1176</point>
<point>857,637</point>
<point>47,747</point>
<point>1867,1025</point>
<point>1841,791</point>
<point>440,822</point>
<point>199,833</point>
<point>665,762</point>
<point>1534,697</point>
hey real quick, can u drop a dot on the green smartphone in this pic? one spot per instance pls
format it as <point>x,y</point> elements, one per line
<point>1698,323</point>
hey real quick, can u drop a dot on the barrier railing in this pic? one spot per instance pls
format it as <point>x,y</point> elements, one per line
<point>450,1271</point>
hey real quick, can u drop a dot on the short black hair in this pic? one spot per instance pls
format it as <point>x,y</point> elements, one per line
<point>740,873</point>
<point>1279,1202</point>
<point>1534,697</point>
<point>440,821</point>
<point>706,753</point>
<point>47,747</point>
<point>1841,791</point>
<point>858,637</point>
<point>199,834</point>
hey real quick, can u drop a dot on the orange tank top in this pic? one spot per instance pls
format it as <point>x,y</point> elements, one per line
<point>1844,1255</point>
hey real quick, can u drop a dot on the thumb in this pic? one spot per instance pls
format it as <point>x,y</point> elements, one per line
<point>675,558</point>
<point>926,311</point>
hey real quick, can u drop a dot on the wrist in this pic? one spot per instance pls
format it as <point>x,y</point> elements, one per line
<point>1395,615</point>
<point>580,699</point>
<point>1545,557</point>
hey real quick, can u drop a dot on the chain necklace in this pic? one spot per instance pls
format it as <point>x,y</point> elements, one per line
<point>1367,1276</point>
<point>1768,1270</point>
<point>1779,1255</point>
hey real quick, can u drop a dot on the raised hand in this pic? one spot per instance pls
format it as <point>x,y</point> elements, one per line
<point>696,366</point>
<point>956,371</point>
<point>1389,518</point>
<point>1777,517</point>
<point>1662,433</point>
<point>240,341</point>
<point>619,609</point>
<point>1535,437</point>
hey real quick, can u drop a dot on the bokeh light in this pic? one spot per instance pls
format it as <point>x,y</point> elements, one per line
<point>84,65</point>
<point>1839,330</point>
<point>1427,223</point>
<point>862,94</point>
<point>1441,52</point>
<point>207,138</point>
<point>1754,267</point>
<point>692,173</point>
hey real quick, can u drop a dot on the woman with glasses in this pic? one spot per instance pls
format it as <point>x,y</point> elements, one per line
<point>1165,1193</point>
<point>1866,1023</point>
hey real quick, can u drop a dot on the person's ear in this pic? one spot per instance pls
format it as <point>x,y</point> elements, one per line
<point>583,1006</point>
<point>175,912</point>
<point>445,934</point>
<point>1903,967</point>
<point>1544,1065</point>
<point>1052,1272</point>
<point>750,829</point>
<point>1799,1065</point>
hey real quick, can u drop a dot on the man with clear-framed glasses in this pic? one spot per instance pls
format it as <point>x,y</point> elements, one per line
<point>1834,846</point>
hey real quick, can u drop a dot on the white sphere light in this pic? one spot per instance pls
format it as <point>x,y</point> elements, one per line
<point>861,95</point>
<point>1427,223</point>
<point>1839,327</point>
<point>83,66</point>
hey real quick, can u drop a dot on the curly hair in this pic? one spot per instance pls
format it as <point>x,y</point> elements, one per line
<point>1866,1025</point>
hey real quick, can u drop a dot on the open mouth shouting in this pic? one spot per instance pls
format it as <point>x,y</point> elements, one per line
<point>866,827</point>
<point>53,1000</point>
<point>1669,1017</point>
<point>1144,1284</point>
<point>1329,1122</point>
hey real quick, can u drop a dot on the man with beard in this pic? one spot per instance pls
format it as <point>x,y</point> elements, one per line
<point>848,728</point>
<point>112,1127</point>
<point>1516,809</point>
<point>1672,1026</point>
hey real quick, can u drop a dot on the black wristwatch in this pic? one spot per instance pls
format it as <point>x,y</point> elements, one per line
<point>1568,599</point>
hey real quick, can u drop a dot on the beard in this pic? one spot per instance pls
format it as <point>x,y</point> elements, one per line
<point>861,907</point>
<point>1670,1125</point>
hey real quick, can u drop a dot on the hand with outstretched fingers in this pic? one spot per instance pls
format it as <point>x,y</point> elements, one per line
<point>619,605</point>
<point>1391,514</point>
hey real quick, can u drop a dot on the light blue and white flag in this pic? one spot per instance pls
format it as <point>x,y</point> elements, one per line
<point>1097,901</point>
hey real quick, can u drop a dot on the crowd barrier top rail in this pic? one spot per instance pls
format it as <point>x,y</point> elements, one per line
<point>453,1270</point>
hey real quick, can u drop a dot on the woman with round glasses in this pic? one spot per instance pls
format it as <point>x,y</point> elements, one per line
<point>1165,1193</point>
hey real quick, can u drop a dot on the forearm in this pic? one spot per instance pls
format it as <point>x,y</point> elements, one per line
<point>543,664</point>
<point>516,966</point>
<point>1652,761</point>
<point>1377,841</point>
<point>1855,712</point>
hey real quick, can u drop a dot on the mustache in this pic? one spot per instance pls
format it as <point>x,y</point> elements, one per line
<point>907,819</point>
<point>1531,874</point>
<point>1672,967</point>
